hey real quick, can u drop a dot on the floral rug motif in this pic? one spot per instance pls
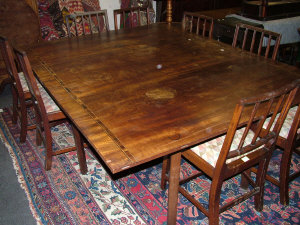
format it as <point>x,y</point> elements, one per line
<point>64,196</point>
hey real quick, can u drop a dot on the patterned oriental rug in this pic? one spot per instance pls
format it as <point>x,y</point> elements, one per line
<point>64,196</point>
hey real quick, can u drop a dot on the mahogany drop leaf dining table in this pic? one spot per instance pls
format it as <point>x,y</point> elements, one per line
<point>152,91</point>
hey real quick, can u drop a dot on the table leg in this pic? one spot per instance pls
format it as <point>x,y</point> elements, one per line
<point>80,150</point>
<point>173,187</point>
<point>169,11</point>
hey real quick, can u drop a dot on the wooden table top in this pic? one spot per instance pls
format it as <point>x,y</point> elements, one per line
<point>140,94</point>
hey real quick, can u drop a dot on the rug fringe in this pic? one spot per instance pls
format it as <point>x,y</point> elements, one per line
<point>20,176</point>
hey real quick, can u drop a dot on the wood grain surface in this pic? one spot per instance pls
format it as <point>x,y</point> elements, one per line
<point>140,94</point>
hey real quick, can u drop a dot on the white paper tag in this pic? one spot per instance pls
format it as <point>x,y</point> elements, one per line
<point>245,159</point>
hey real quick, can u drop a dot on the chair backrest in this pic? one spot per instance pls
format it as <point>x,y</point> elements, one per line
<point>36,97</point>
<point>252,113</point>
<point>10,64</point>
<point>87,22</point>
<point>259,39</point>
<point>133,14</point>
<point>195,21</point>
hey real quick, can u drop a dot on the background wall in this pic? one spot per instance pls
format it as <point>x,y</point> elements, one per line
<point>110,5</point>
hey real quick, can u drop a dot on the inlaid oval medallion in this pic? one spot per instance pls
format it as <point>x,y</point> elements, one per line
<point>161,93</point>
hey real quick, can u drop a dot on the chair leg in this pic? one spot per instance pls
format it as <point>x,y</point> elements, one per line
<point>244,180</point>
<point>38,137</point>
<point>174,175</point>
<point>260,182</point>
<point>164,171</point>
<point>49,150</point>
<point>284,176</point>
<point>80,150</point>
<point>214,202</point>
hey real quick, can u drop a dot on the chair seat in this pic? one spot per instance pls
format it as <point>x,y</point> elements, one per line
<point>23,82</point>
<point>210,150</point>
<point>287,123</point>
<point>50,105</point>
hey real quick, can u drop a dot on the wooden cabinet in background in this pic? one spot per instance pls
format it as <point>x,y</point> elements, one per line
<point>179,6</point>
<point>270,9</point>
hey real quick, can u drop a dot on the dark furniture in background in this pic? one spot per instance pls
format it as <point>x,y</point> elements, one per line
<point>258,9</point>
<point>225,28</point>
<point>270,9</point>
<point>179,6</point>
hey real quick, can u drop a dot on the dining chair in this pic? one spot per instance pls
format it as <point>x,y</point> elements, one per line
<point>47,115</point>
<point>87,22</point>
<point>20,91</point>
<point>196,22</point>
<point>256,40</point>
<point>288,141</point>
<point>240,149</point>
<point>133,14</point>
